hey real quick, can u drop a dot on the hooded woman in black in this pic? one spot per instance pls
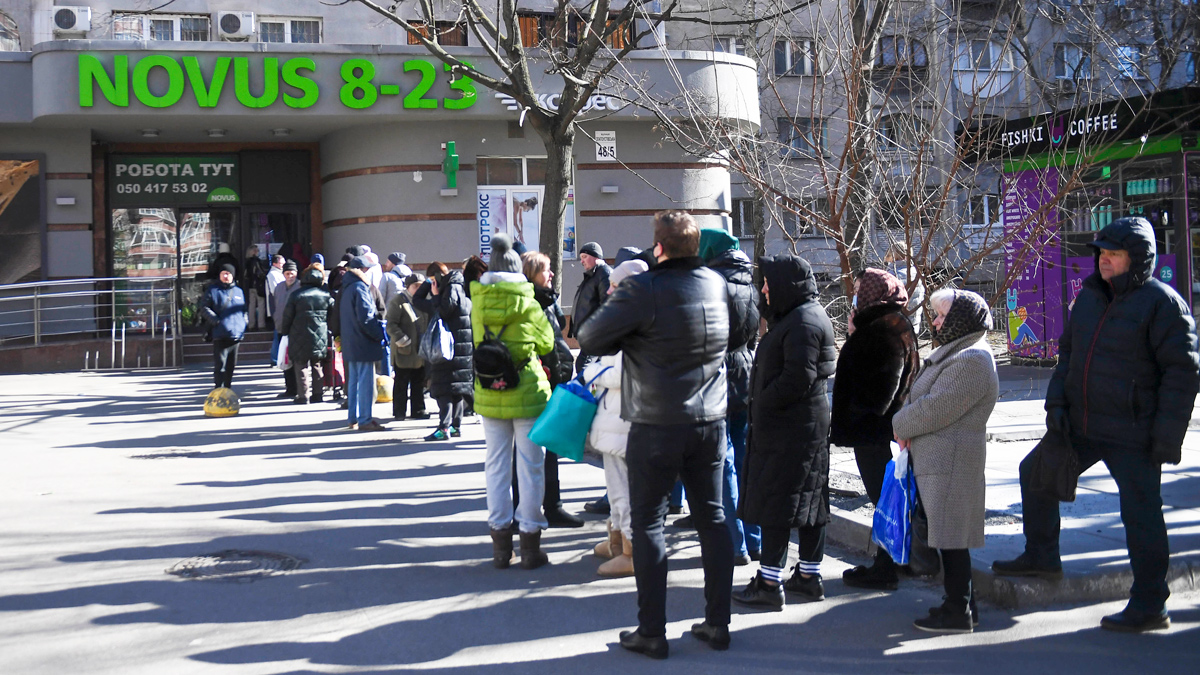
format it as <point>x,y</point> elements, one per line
<point>786,481</point>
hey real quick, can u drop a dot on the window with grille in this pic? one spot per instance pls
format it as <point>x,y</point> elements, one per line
<point>446,33</point>
<point>1072,62</point>
<point>295,31</point>
<point>743,216</point>
<point>806,136</point>
<point>796,225</point>
<point>10,37</point>
<point>797,57</point>
<point>161,27</point>
<point>547,30</point>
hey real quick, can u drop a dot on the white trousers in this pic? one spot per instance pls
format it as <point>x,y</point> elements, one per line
<point>500,436</point>
<point>616,479</point>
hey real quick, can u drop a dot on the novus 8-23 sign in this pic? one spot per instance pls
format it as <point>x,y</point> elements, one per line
<point>164,80</point>
<point>157,181</point>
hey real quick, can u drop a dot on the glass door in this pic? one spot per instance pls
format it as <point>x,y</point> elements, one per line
<point>144,245</point>
<point>279,229</point>
<point>207,238</point>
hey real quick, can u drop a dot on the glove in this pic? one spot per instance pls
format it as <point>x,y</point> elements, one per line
<point>1056,419</point>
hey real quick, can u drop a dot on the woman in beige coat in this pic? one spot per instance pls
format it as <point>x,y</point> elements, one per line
<point>944,426</point>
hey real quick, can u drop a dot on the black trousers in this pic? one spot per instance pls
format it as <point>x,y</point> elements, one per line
<point>408,384</point>
<point>872,463</point>
<point>1139,483</point>
<point>450,411</point>
<point>775,545</point>
<point>656,454</point>
<point>289,380</point>
<point>956,566</point>
<point>224,360</point>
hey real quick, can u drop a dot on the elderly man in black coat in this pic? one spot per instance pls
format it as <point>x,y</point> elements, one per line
<point>592,293</point>
<point>1123,392</point>
<point>787,463</point>
<point>672,326</point>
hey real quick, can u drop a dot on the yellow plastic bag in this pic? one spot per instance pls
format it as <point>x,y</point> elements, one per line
<point>383,389</point>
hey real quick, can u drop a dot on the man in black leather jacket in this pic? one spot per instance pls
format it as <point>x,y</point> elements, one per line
<point>672,326</point>
<point>1123,391</point>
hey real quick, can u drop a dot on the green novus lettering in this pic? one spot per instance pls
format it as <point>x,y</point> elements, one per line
<point>141,81</point>
<point>114,89</point>
<point>292,78</point>
<point>241,77</point>
<point>207,96</point>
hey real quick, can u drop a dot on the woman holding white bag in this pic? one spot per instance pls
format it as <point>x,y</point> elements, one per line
<point>608,436</point>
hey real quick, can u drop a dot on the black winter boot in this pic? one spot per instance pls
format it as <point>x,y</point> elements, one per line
<point>502,548</point>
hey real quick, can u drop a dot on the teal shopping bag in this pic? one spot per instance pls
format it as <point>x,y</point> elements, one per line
<point>563,426</point>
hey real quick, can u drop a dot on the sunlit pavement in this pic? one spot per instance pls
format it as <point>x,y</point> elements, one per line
<point>112,479</point>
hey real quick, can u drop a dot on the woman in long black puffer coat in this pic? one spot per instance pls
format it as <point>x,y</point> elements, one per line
<point>786,481</point>
<point>442,295</point>
<point>875,370</point>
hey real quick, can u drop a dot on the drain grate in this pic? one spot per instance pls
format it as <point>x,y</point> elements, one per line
<point>235,566</point>
<point>168,453</point>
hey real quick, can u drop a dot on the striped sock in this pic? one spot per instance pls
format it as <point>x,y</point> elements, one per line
<point>809,568</point>
<point>771,574</point>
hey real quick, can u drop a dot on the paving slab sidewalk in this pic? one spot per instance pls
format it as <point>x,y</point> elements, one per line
<point>1095,560</point>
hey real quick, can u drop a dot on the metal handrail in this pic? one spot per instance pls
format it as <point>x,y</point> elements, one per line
<point>118,304</point>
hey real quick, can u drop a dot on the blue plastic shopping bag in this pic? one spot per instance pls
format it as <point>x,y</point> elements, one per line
<point>892,528</point>
<point>563,426</point>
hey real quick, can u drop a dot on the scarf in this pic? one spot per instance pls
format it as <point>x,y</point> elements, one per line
<point>969,313</point>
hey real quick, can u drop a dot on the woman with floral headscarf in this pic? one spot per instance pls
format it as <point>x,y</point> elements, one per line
<point>944,426</point>
<point>875,370</point>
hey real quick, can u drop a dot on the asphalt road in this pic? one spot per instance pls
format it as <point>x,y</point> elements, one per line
<point>109,480</point>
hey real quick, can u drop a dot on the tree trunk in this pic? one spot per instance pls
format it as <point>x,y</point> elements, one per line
<point>560,153</point>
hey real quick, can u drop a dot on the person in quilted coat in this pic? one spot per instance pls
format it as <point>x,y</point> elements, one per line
<point>786,483</point>
<point>944,426</point>
<point>503,303</point>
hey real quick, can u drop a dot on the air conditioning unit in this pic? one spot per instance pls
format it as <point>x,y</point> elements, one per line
<point>1066,87</point>
<point>71,20</point>
<point>235,26</point>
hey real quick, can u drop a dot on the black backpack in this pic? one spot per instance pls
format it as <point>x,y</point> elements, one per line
<point>494,365</point>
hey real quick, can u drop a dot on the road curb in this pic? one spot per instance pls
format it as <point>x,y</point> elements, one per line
<point>1183,574</point>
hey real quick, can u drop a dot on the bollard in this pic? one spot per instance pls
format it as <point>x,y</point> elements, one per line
<point>112,343</point>
<point>86,354</point>
<point>164,344</point>
<point>122,346</point>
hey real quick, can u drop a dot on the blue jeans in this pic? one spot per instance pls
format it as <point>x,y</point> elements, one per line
<point>275,348</point>
<point>360,390</point>
<point>737,425</point>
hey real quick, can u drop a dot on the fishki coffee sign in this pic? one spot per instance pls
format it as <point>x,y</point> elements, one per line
<point>1062,129</point>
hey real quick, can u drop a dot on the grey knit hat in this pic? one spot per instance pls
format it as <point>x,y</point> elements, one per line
<point>504,258</point>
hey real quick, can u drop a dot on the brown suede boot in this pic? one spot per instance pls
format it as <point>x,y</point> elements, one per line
<point>620,566</point>
<point>502,548</point>
<point>609,547</point>
<point>531,551</point>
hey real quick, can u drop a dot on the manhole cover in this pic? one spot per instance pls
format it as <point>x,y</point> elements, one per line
<point>168,453</point>
<point>238,566</point>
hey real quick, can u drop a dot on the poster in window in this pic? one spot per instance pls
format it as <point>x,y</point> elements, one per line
<point>526,218</point>
<point>568,252</point>
<point>20,220</point>
<point>492,212</point>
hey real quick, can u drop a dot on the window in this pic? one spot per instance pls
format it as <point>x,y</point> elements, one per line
<point>900,209</point>
<point>295,31</point>
<point>546,29</point>
<point>901,52</point>
<point>1072,62</point>
<point>796,225</point>
<point>510,170</point>
<point>983,209</point>
<point>1129,62</point>
<point>10,38</point>
<point>163,27</point>
<point>901,131</point>
<point>743,215</point>
<point>1190,67</point>
<point>448,33</point>
<point>983,56</point>
<point>797,57</point>
<point>802,135</point>
<point>729,45</point>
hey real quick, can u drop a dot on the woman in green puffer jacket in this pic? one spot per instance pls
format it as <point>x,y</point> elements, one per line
<point>503,302</point>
